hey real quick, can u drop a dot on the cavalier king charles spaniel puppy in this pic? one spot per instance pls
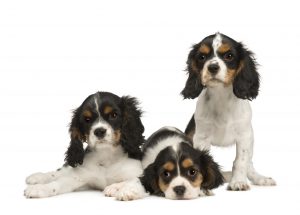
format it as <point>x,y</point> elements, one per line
<point>172,169</point>
<point>223,75</point>
<point>112,128</point>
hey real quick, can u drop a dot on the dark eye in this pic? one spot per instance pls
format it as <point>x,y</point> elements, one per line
<point>228,56</point>
<point>87,119</point>
<point>202,57</point>
<point>166,174</point>
<point>192,172</point>
<point>113,115</point>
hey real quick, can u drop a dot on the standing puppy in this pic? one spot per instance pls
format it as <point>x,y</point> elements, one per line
<point>113,131</point>
<point>223,74</point>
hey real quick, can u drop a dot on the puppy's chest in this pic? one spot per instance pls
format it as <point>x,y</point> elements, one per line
<point>221,127</point>
<point>100,160</point>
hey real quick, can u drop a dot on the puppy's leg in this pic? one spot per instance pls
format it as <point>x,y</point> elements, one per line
<point>69,181</point>
<point>244,147</point>
<point>44,178</point>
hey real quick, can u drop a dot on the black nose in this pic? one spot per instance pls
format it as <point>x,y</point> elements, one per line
<point>213,68</point>
<point>179,190</point>
<point>100,132</point>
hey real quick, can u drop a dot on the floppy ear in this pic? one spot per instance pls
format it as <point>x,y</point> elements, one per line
<point>193,85</point>
<point>132,128</point>
<point>149,181</point>
<point>212,176</point>
<point>246,83</point>
<point>75,152</point>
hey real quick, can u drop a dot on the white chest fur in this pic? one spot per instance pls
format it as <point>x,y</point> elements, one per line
<point>109,164</point>
<point>221,118</point>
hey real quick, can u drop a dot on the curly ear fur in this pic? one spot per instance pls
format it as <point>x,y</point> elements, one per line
<point>75,152</point>
<point>132,128</point>
<point>193,86</point>
<point>246,83</point>
<point>149,181</point>
<point>212,176</point>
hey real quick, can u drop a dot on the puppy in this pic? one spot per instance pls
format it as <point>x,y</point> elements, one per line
<point>223,75</point>
<point>172,168</point>
<point>112,128</point>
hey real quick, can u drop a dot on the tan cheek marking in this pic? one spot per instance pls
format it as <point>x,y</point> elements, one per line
<point>231,74</point>
<point>75,134</point>
<point>117,136</point>
<point>194,67</point>
<point>224,48</point>
<point>204,49</point>
<point>169,166</point>
<point>108,109</point>
<point>205,77</point>
<point>186,163</point>
<point>198,181</point>
<point>162,186</point>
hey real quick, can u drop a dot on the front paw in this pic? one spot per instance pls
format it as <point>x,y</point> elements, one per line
<point>111,190</point>
<point>37,178</point>
<point>238,186</point>
<point>39,191</point>
<point>206,193</point>
<point>126,194</point>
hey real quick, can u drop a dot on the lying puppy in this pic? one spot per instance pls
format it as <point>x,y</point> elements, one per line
<point>172,168</point>
<point>222,74</point>
<point>112,128</point>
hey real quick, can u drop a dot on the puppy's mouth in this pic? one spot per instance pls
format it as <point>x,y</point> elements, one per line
<point>212,81</point>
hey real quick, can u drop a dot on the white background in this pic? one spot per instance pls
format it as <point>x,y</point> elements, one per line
<point>53,54</point>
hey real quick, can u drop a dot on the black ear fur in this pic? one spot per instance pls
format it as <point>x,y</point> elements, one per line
<point>246,83</point>
<point>212,176</point>
<point>75,151</point>
<point>149,180</point>
<point>193,85</point>
<point>132,128</point>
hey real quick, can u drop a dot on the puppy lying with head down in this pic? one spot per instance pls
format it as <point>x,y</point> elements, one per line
<point>112,128</point>
<point>172,168</point>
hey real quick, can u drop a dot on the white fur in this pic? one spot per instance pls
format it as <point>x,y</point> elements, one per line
<point>222,119</point>
<point>152,152</point>
<point>221,75</point>
<point>127,190</point>
<point>106,165</point>
<point>93,140</point>
<point>190,191</point>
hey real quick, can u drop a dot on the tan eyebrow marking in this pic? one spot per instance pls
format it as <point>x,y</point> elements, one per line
<point>224,48</point>
<point>87,113</point>
<point>169,166</point>
<point>108,109</point>
<point>205,49</point>
<point>187,163</point>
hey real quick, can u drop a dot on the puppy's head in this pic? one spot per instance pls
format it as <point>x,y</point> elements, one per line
<point>181,172</point>
<point>105,119</point>
<point>218,59</point>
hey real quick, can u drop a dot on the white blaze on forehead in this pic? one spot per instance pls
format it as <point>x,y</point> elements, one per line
<point>152,152</point>
<point>97,106</point>
<point>217,42</point>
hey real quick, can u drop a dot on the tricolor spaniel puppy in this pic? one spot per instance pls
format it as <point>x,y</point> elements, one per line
<point>222,74</point>
<point>112,128</point>
<point>172,168</point>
